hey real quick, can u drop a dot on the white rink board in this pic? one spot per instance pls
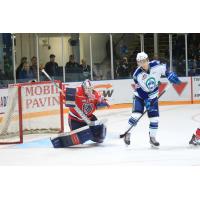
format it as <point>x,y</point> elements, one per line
<point>116,91</point>
<point>38,97</point>
<point>123,91</point>
<point>172,95</point>
<point>196,88</point>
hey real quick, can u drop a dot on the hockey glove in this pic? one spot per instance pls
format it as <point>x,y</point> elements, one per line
<point>102,103</point>
<point>173,78</point>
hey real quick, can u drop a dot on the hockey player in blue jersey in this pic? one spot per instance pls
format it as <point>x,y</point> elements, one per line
<point>146,78</point>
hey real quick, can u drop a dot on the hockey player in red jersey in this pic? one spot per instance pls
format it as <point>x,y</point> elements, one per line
<point>87,100</point>
<point>82,102</point>
<point>195,140</point>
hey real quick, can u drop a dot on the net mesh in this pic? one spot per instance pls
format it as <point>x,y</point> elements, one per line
<point>40,108</point>
<point>9,126</point>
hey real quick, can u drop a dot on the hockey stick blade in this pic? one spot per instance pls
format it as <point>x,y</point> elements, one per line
<point>122,135</point>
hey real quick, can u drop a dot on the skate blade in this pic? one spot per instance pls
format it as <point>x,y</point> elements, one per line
<point>194,146</point>
<point>154,147</point>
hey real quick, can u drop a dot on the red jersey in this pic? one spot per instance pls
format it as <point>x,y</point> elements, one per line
<point>87,104</point>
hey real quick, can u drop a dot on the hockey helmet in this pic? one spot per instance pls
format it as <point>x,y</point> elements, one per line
<point>87,87</point>
<point>141,56</point>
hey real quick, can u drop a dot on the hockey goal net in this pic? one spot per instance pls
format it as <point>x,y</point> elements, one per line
<point>32,108</point>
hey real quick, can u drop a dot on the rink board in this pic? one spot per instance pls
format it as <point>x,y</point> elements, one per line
<point>119,94</point>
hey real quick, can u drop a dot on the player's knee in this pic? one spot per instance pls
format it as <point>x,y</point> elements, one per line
<point>133,119</point>
<point>154,119</point>
<point>98,132</point>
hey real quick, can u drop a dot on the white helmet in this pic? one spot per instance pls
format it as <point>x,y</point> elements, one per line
<point>87,87</point>
<point>141,56</point>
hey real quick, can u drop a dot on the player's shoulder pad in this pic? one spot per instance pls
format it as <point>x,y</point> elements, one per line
<point>136,73</point>
<point>79,91</point>
<point>154,63</point>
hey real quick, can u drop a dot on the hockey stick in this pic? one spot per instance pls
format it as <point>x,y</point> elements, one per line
<point>77,109</point>
<point>163,92</point>
<point>47,75</point>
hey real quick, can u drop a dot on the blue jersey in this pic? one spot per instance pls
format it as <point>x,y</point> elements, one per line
<point>146,83</point>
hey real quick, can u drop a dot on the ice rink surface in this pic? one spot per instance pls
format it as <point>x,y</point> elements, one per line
<point>177,124</point>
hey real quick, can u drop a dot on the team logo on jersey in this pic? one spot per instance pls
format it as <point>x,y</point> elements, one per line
<point>151,83</point>
<point>87,108</point>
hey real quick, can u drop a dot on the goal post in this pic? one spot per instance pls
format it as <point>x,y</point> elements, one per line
<point>11,122</point>
<point>32,108</point>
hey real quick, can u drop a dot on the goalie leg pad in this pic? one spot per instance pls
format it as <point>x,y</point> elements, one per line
<point>98,132</point>
<point>62,141</point>
<point>84,135</point>
<point>56,142</point>
<point>79,136</point>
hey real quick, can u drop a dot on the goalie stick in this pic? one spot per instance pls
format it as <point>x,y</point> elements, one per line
<point>47,75</point>
<point>124,134</point>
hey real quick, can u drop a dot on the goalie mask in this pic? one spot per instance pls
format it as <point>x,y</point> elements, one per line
<point>88,88</point>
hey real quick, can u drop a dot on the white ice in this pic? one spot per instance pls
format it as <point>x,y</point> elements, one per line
<point>177,124</point>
